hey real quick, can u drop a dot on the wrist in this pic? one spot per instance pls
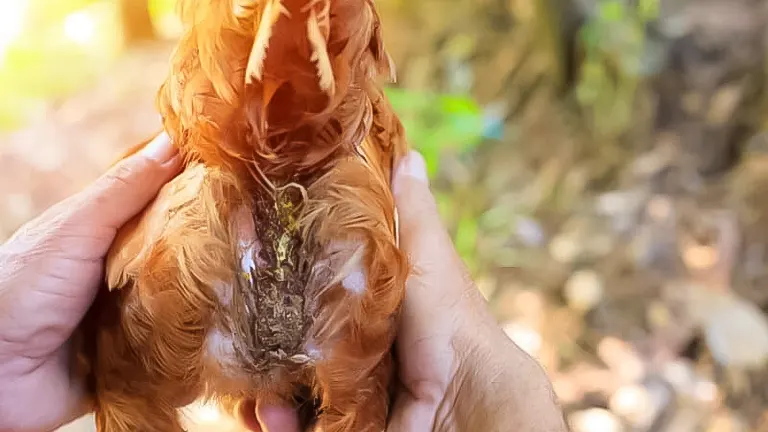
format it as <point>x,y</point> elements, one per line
<point>471,402</point>
<point>497,387</point>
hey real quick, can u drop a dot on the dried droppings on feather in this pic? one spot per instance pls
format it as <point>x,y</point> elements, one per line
<point>274,290</point>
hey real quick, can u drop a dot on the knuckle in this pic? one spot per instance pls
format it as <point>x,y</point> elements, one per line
<point>121,174</point>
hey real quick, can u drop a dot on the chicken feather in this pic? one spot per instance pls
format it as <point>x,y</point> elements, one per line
<point>270,264</point>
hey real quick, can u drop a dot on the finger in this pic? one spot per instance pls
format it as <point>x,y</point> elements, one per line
<point>276,418</point>
<point>130,185</point>
<point>439,276</point>
<point>422,235</point>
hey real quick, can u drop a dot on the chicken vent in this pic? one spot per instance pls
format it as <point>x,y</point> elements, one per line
<point>270,264</point>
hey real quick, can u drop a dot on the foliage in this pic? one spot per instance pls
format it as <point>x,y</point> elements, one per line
<point>447,125</point>
<point>438,123</point>
<point>616,59</point>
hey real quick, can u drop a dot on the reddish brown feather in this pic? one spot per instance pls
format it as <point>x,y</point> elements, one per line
<point>232,284</point>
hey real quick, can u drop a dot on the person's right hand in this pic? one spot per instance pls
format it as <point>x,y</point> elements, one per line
<point>458,370</point>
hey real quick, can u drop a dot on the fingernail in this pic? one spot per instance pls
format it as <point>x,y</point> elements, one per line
<point>414,166</point>
<point>159,149</point>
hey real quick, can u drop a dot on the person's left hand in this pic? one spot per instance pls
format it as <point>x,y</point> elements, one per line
<point>50,271</point>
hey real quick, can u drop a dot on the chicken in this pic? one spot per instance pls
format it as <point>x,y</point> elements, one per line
<point>269,267</point>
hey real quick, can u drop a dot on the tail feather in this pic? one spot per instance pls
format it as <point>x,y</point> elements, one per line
<point>279,85</point>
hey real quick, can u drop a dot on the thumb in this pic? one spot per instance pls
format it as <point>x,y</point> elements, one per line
<point>131,184</point>
<point>422,235</point>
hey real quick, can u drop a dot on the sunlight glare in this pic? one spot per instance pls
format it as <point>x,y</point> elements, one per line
<point>12,15</point>
<point>80,27</point>
<point>208,413</point>
<point>201,412</point>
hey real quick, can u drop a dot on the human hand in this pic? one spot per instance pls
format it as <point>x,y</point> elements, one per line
<point>50,271</point>
<point>458,370</point>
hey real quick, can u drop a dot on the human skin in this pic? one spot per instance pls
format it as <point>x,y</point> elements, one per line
<point>50,271</point>
<point>458,371</point>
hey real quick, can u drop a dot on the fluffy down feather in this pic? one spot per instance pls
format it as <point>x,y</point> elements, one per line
<point>270,266</point>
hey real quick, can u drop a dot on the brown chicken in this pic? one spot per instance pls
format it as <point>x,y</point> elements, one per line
<point>269,267</point>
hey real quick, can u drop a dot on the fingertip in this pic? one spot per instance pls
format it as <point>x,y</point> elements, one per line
<point>160,149</point>
<point>412,167</point>
<point>420,229</point>
<point>275,418</point>
<point>126,188</point>
<point>173,165</point>
<point>410,186</point>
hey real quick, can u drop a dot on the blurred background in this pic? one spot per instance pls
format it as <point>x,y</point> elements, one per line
<point>602,166</point>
